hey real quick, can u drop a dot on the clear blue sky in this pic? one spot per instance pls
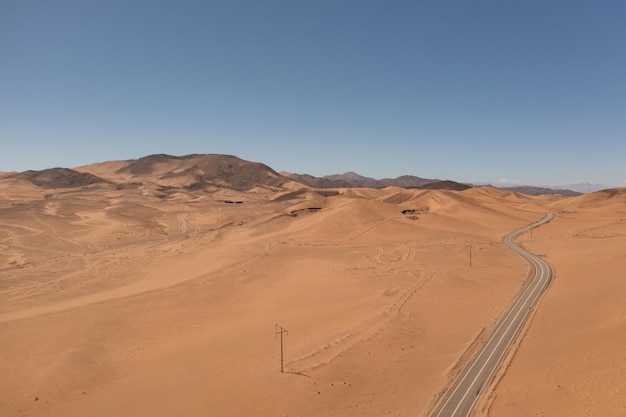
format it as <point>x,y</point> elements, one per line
<point>529,91</point>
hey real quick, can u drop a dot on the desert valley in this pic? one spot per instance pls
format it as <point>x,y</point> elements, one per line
<point>155,287</point>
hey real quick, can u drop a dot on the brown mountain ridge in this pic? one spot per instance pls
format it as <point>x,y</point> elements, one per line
<point>208,172</point>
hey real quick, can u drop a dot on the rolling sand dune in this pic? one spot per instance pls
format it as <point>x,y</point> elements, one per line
<point>128,297</point>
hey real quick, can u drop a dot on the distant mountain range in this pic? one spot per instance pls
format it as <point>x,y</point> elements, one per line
<point>210,171</point>
<point>581,188</point>
<point>352,179</point>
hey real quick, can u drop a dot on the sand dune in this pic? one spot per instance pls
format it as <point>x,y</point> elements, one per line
<point>121,300</point>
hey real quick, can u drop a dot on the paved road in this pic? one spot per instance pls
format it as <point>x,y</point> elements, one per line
<point>460,399</point>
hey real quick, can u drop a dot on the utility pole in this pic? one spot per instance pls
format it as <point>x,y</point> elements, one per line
<point>470,253</point>
<point>280,330</point>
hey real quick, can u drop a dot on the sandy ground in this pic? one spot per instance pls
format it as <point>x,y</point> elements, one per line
<point>120,303</point>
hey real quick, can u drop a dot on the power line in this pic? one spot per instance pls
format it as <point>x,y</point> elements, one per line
<point>280,330</point>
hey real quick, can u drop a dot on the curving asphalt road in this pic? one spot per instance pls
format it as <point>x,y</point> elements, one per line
<point>461,397</point>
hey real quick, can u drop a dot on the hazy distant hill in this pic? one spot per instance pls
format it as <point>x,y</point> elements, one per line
<point>581,188</point>
<point>317,182</point>
<point>408,181</point>
<point>541,191</point>
<point>444,185</point>
<point>354,180</point>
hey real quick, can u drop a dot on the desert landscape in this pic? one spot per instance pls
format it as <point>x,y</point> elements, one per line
<point>155,287</point>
